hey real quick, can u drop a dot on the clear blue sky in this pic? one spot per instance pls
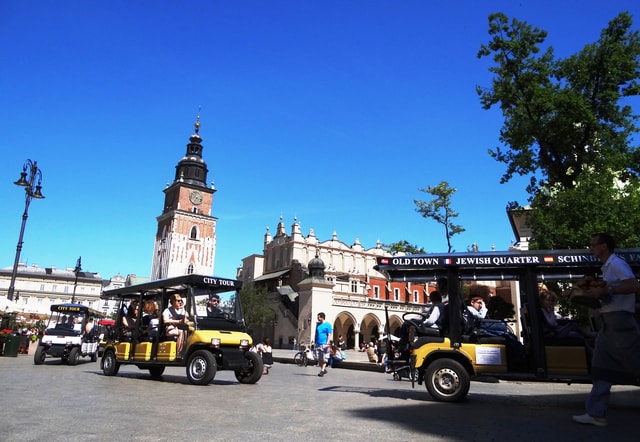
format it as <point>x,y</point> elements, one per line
<point>334,112</point>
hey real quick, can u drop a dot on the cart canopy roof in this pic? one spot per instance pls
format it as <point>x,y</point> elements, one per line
<point>547,264</point>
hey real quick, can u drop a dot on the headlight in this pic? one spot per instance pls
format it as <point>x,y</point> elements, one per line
<point>215,342</point>
<point>244,342</point>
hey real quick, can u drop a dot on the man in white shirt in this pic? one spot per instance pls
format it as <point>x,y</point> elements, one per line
<point>616,357</point>
<point>433,320</point>
<point>477,307</point>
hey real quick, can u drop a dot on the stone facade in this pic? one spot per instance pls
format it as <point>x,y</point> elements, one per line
<point>37,288</point>
<point>351,293</point>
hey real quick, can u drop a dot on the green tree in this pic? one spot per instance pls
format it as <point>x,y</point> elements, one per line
<point>439,209</point>
<point>404,246</point>
<point>255,306</point>
<point>569,127</point>
<point>566,218</point>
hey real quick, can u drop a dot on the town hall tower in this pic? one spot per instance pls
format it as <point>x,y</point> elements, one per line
<point>186,236</point>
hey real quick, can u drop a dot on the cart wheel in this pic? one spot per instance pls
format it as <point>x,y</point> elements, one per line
<point>396,376</point>
<point>447,380</point>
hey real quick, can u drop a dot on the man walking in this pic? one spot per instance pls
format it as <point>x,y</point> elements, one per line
<point>616,358</point>
<point>323,343</point>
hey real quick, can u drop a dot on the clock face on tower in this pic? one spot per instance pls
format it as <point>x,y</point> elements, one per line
<point>195,197</point>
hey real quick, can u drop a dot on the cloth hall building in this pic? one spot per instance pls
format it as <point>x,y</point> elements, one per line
<point>305,275</point>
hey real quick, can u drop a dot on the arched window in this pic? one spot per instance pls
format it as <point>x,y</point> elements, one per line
<point>194,233</point>
<point>190,269</point>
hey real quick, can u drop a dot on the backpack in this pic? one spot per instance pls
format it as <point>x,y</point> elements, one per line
<point>469,322</point>
<point>489,327</point>
<point>468,325</point>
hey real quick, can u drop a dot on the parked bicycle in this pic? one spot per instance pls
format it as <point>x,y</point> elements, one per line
<point>303,357</point>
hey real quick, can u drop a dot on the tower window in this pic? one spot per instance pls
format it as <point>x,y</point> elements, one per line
<point>194,233</point>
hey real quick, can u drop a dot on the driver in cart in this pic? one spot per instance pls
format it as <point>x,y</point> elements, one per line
<point>213,309</point>
<point>437,311</point>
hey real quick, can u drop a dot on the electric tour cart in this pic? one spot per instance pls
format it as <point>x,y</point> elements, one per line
<point>446,360</point>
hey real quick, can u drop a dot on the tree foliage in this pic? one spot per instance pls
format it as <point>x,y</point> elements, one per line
<point>405,247</point>
<point>439,209</point>
<point>255,306</point>
<point>569,127</point>
<point>566,218</point>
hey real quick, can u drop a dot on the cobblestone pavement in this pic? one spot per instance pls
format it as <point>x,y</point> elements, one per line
<point>56,402</point>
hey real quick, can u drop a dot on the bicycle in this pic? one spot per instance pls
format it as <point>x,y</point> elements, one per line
<point>302,358</point>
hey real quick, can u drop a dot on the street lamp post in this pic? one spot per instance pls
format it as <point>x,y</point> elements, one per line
<point>77,270</point>
<point>32,190</point>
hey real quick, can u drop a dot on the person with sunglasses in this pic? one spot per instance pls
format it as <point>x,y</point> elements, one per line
<point>175,319</point>
<point>477,307</point>
<point>213,307</point>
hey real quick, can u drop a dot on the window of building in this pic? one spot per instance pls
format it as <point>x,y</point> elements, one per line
<point>54,288</point>
<point>194,233</point>
<point>416,296</point>
<point>354,286</point>
<point>42,287</point>
<point>396,294</point>
<point>66,289</point>
<point>190,269</point>
<point>376,292</point>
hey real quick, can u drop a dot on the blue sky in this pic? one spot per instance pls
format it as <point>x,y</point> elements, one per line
<point>333,112</point>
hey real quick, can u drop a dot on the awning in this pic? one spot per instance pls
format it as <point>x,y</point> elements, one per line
<point>273,275</point>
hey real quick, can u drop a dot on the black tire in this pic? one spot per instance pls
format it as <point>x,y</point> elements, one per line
<point>253,372</point>
<point>74,356</point>
<point>156,372</point>
<point>300,360</point>
<point>110,365</point>
<point>94,357</point>
<point>447,380</point>
<point>201,368</point>
<point>40,355</point>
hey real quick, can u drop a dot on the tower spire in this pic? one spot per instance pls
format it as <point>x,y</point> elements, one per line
<point>192,168</point>
<point>197,123</point>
